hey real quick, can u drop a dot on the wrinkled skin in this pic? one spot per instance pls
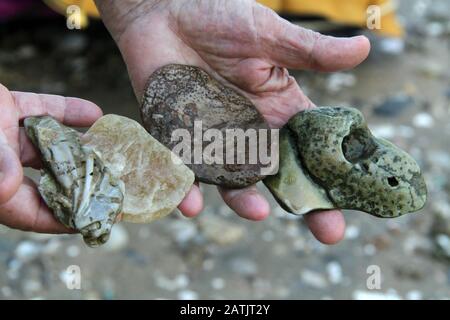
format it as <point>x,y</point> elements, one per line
<point>244,45</point>
<point>178,96</point>
<point>82,193</point>
<point>21,206</point>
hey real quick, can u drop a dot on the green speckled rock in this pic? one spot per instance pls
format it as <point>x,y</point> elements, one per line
<point>336,152</point>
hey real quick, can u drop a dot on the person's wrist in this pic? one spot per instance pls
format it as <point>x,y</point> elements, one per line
<point>125,21</point>
<point>117,15</point>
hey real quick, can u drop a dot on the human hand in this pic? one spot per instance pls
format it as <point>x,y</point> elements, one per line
<point>245,46</point>
<point>21,206</point>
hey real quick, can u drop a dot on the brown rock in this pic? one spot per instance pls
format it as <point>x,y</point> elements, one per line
<point>177,96</point>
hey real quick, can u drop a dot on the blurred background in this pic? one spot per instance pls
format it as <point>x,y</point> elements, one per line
<point>404,91</point>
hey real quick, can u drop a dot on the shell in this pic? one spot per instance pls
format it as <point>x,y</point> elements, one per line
<point>82,193</point>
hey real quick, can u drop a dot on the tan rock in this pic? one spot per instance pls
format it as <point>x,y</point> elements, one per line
<point>156,181</point>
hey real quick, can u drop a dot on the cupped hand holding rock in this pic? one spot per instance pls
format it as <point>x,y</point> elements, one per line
<point>243,45</point>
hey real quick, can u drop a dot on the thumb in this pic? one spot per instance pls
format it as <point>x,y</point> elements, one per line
<point>11,173</point>
<point>290,46</point>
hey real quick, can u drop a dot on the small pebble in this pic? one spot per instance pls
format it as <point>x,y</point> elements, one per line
<point>187,295</point>
<point>181,281</point>
<point>339,80</point>
<point>423,120</point>
<point>244,266</point>
<point>118,239</point>
<point>313,279</point>
<point>183,231</point>
<point>414,295</point>
<point>374,295</point>
<point>218,283</point>
<point>369,249</point>
<point>334,271</point>
<point>385,131</point>
<point>27,251</point>
<point>73,251</point>
<point>351,232</point>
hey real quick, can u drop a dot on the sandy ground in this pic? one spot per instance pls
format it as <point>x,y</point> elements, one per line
<point>405,97</point>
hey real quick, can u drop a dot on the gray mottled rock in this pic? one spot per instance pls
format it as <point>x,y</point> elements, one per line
<point>177,96</point>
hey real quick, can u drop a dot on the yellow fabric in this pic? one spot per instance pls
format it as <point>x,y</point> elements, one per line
<point>347,12</point>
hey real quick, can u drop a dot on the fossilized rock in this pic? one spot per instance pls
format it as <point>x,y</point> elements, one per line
<point>330,154</point>
<point>75,184</point>
<point>177,96</point>
<point>155,179</point>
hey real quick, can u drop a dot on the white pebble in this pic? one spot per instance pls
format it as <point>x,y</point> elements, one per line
<point>187,295</point>
<point>244,266</point>
<point>52,247</point>
<point>339,80</point>
<point>394,46</point>
<point>118,239</point>
<point>352,232</point>
<point>334,270</point>
<point>414,295</point>
<point>423,120</point>
<point>218,283</point>
<point>183,231</point>
<point>73,251</point>
<point>369,249</point>
<point>383,131</point>
<point>374,295</point>
<point>313,279</point>
<point>27,251</point>
<point>182,281</point>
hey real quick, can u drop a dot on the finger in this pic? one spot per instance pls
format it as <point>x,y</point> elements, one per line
<point>327,226</point>
<point>28,154</point>
<point>192,204</point>
<point>11,173</point>
<point>71,111</point>
<point>291,46</point>
<point>279,106</point>
<point>248,203</point>
<point>27,211</point>
<point>9,127</point>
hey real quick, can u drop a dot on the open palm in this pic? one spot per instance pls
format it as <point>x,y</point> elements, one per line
<point>245,46</point>
<point>21,206</point>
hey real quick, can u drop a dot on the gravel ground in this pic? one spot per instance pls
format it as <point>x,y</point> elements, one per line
<point>405,97</point>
